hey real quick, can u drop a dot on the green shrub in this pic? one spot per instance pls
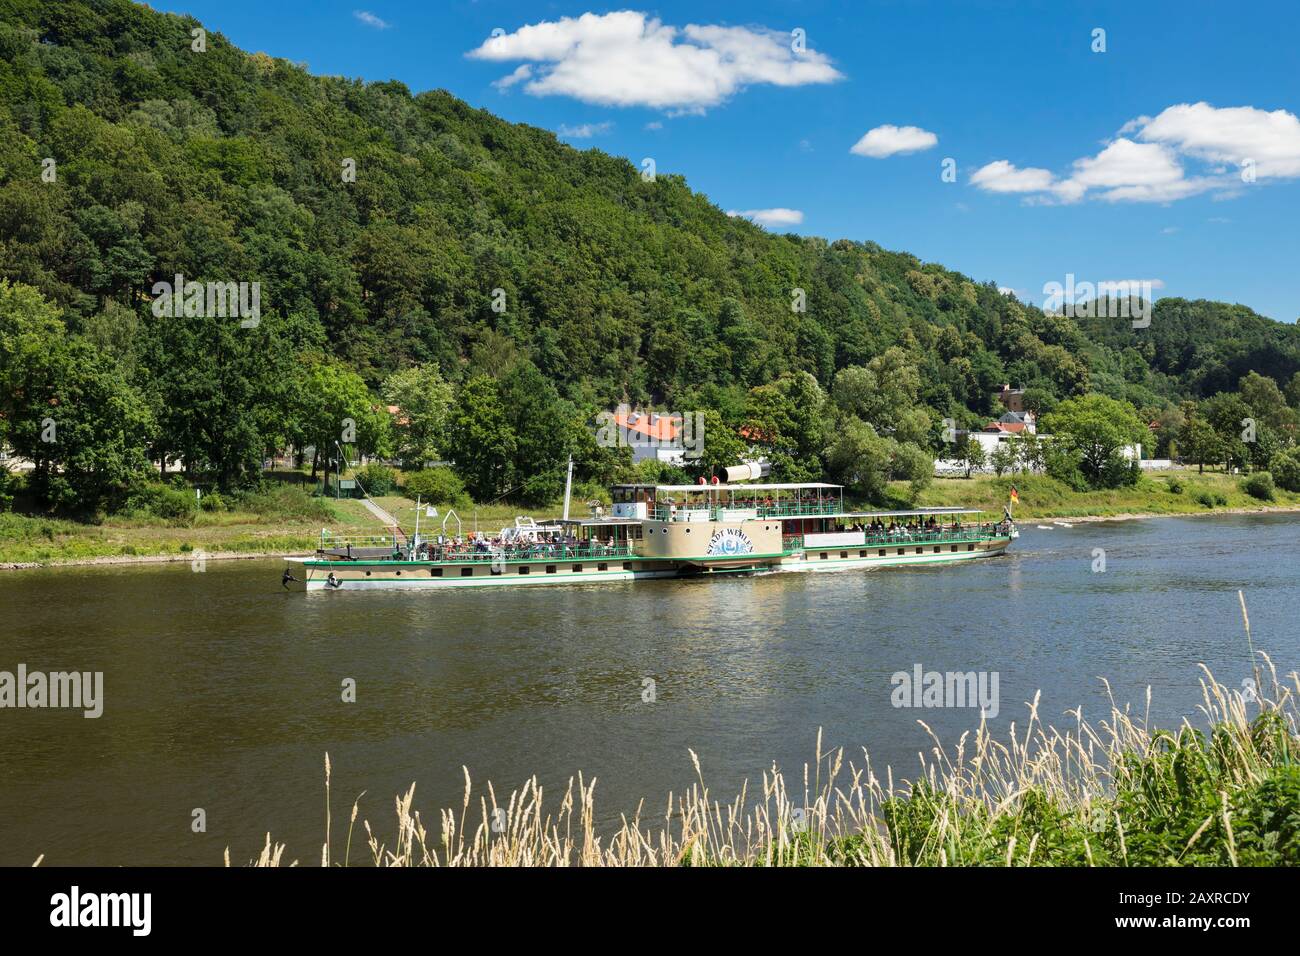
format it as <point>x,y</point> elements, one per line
<point>1285,468</point>
<point>1203,498</point>
<point>162,501</point>
<point>377,479</point>
<point>1176,485</point>
<point>1220,498</point>
<point>437,486</point>
<point>213,501</point>
<point>1259,485</point>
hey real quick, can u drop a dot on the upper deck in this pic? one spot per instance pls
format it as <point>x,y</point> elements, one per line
<point>727,502</point>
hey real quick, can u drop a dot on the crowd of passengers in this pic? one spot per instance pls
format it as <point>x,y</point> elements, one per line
<point>541,544</point>
<point>787,503</point>
<point>878,528</point>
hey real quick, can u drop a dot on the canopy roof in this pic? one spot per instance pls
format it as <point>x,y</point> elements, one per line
<point>750,486</point>
<point>914,512</point>
<point>594,522</point>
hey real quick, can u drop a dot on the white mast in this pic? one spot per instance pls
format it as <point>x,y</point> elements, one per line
<point>568,488</point>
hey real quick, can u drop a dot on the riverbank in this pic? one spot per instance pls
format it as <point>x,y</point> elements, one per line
<point>1118,793</point>
<point>1172,493</point>
<point>32,541</point>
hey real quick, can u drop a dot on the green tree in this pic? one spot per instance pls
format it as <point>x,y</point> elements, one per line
<point>1200,443</point>
<point>480,440</point>
<point>335,409</point>
<point>63,406</point>
<point>1099,429</point>
<point>422,397</point>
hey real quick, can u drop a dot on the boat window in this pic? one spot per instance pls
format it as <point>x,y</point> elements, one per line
<point>844,554</point>
<point>522,569</point>
<point>602,567</point>
<point>920,550</point>
<point>970,547</point>
<point>825,555</point>
<point>627,565</point>
<point>862,554</point>
<point>435,572</point>
<point>550,569</point>
<point>576,567</point>
<point>881,553</point>
<point>466,572</point>
<point>900,551</point>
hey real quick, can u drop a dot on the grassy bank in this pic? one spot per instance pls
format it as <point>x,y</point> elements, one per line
<point>1168,493</point>
<point>283,520</point>
<point>1112,794</point>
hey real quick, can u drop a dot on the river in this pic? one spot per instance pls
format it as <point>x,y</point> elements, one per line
<point>223,693</point>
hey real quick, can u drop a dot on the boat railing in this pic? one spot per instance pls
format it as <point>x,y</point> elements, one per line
<point>960,535</point>
<point>360,542</point>
<point>721,512</point>
<point>451,555</point>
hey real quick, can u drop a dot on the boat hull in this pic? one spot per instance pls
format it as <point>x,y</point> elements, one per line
<point>325,575</point>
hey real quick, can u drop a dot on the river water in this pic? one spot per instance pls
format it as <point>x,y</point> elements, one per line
<point>222,692</point>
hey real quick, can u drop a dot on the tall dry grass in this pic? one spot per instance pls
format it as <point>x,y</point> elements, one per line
<point>1115,792</point>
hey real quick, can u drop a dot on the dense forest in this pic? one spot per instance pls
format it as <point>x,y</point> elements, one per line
<point>496,285</point>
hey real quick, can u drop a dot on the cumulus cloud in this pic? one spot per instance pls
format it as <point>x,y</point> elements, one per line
<point>370,20</point>
<point>522,72</point>
<point>585,131</point>
<point>890,140</point>
<point>630,59</point>
<point>1148,161</point>
<point>1230,136</point>
<point>770,217</point>
<point>1002,176</point>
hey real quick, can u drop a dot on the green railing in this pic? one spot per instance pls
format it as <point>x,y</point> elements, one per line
<point>536,553</point>
<point>962,535</point>
<point>333,542</point>
<point>781,509</point>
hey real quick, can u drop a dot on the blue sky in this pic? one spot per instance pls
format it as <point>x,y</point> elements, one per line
<point>1122,164</point>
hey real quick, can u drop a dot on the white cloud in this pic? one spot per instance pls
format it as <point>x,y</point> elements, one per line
<point>370,20</point>
<point>654,125</point>
<point>770,217</point>
<point>522,72</point>
<point>585,131</point>
<point>890,140</point>
<point>1004,177</point>
<point>629,59</point>
<point>1230,136</point>
<point>1147,162</point>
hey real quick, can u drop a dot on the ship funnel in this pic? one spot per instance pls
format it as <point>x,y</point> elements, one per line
<point>748,472</point>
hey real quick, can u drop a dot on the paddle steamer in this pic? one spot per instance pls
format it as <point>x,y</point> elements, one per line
<point>662,531</point>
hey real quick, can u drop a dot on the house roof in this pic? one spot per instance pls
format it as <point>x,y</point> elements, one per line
<point>1014,427</point>
<point>652,424</point>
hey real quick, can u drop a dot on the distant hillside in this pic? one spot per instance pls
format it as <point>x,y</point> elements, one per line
<point>229,166</point>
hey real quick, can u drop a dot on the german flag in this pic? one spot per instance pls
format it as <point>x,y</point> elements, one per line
<point>1015,496</point>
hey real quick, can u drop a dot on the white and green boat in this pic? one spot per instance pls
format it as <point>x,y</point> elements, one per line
<point>662,531</point>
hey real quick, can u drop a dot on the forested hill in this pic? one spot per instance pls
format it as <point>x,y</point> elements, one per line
<point>229,166</point>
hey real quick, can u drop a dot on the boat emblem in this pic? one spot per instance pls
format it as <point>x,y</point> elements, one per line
<point>729,541</point>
